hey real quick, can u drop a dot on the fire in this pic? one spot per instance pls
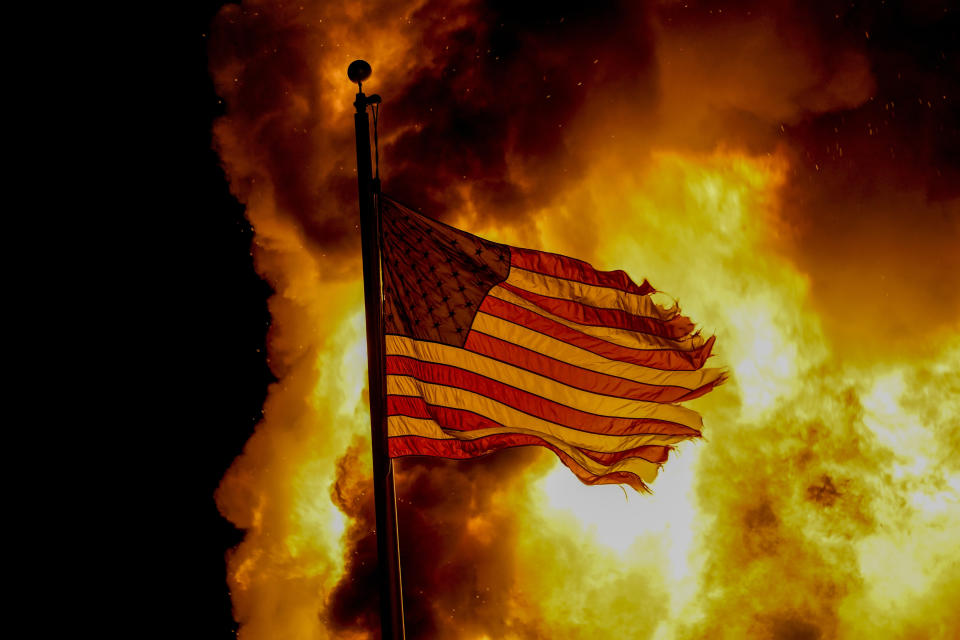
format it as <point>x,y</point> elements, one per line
<point>825,497</point>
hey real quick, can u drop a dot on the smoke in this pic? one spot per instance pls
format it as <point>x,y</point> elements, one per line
<point>500,107</point>
<point>476,100</point>
<point>580,127</point>
<point>457,550</point>
<point>866,116</point>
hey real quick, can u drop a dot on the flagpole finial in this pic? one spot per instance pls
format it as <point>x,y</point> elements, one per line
<point>358,71</point>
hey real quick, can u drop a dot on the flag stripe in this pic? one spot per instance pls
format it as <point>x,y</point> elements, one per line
<point>549,408</point>
<point>482,374</point>
<point>595,296</point>
<point>551,347</point>
<point>404,426</point>
<point>664,359</point>
<point>578,377</point>
<point>406,444</point>
<point>457,450</point>
<point>514,418</point>
<point>553,264</point>
<point>580,313</point>
<point>587,379</point>
<point>614,335</point>
<point>466,421</point>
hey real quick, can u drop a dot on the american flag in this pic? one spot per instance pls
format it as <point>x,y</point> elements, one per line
<point>490,346</point>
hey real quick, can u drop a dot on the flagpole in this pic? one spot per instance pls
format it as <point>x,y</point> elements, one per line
<point>384,494</point>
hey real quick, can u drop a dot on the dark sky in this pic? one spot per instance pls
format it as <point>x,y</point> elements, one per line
<point>228,374</point>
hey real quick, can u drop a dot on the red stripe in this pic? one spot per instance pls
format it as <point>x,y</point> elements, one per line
<point>528,402</point>
<point>574,376</point>
<point>399,446</point>
<point>451,419</point>
<point>665,359</point>
<point>677,327</point>
<point>458,449</point>
<point>617,477</point>
<point>649,452</point>
<point>551,264</point>
<point>481,446</point>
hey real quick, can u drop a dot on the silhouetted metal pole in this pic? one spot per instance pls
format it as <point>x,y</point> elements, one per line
<point>384,495</point>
